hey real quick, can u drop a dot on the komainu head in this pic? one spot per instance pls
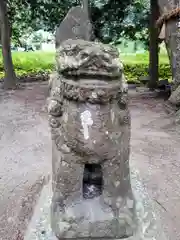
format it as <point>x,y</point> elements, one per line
<point>84,58</point>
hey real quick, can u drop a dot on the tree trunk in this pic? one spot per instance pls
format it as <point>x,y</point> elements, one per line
<point>153,46</point>
<point>10,76</point>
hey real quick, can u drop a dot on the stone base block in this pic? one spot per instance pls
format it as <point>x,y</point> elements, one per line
<point>149,228</point>
<point>91,218</point>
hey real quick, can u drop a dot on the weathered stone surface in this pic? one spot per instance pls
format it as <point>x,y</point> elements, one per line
<point>88,58</point>
<point>170,31</point>
<point>172,41</point>
<point>177,60</point>
<point>149,226</point>
<point>90,123</point>
<point>175,97</point>
<point>76,25</point>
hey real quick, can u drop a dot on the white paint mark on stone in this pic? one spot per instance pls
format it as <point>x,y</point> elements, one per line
<point>65,116</point>
<point>117,183</point>
<point>86,121</point>
<point>112,116</point>
<point>94,95</point>
<point>94,141</point>
<point>63,163</point>
<point>65,148</point>
<point>107,132</point>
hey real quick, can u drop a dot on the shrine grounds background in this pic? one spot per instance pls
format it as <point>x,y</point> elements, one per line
<point>40,62</point>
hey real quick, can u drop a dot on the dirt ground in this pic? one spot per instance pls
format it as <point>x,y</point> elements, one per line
<point>155,153</point>
<point>25,153</point>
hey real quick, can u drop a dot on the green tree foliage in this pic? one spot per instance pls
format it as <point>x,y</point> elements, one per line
<point>136,23</point>
<point>107,15</point>
<point>112,19</point>
<point>21,20</point>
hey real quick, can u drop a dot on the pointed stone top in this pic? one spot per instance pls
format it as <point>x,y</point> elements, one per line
<point>85,6</point>
<point>76,25</point>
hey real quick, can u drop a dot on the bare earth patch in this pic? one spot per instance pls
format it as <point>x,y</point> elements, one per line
<point>155,153</point>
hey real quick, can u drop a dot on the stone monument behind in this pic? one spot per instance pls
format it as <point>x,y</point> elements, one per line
<point>76,25</point>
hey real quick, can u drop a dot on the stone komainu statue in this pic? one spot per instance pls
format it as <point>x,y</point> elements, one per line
<point>90,126</point>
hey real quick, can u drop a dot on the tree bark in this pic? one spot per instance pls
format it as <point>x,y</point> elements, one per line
<point>10,79</point>
<point>153,46</point>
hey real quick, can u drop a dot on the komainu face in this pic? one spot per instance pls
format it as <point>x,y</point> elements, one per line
<point>88,58</point>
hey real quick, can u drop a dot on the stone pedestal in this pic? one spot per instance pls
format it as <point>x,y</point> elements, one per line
<point>149,227</point>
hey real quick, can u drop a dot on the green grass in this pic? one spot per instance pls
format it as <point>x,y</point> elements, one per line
<point>31,62</point>
<point>45,59</point>
<point>142,58</point>
<point>135,65</point>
